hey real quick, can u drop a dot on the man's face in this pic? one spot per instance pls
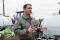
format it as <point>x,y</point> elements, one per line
<point>28,9</point>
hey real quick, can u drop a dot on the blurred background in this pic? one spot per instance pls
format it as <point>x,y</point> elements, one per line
<point>10,9</point>
<point>40,7</point>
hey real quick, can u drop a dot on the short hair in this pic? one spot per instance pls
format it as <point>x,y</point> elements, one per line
<point>24,7</point>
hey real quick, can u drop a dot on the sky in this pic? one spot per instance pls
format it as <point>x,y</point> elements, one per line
<point>39,7</point>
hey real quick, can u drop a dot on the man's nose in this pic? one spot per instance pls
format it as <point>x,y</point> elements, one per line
<point>30,9</point>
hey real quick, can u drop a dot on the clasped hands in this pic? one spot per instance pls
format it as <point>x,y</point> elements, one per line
<point>33,29</point>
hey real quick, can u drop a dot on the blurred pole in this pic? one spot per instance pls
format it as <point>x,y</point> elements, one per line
<point>59,7</point>
<point>3,8</point>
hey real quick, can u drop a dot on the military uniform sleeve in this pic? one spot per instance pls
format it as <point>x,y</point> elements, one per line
<point>17,28</point>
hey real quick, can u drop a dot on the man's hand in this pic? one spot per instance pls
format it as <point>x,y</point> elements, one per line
<point>31,29</point>
<point>42,28</point>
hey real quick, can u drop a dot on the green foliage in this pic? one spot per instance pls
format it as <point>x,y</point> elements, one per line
<point>39,24</point>
<point>40,21</point>
<point>7,32</point>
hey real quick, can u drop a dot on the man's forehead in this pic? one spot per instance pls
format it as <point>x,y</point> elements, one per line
<point>29,6</point>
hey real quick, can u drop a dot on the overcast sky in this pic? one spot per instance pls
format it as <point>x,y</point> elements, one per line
<point>39,7</point>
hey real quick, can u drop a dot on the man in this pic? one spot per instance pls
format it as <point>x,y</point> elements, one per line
<point>25,25</point>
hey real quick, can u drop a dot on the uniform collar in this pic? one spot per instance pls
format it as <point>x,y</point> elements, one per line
<point>26,17</point>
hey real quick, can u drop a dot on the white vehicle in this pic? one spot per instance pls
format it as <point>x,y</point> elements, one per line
<point>52,24</point>
<point>5,21</point>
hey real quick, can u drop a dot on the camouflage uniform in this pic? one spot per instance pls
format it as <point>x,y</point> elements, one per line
<point>21,26</point>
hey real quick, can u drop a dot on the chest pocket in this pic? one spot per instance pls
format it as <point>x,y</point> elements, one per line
<point>24,24</point>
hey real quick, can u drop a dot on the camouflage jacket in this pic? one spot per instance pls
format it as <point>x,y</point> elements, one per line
<point>22,24</point>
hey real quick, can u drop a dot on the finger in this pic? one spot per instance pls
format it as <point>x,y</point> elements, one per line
<point>33,31</point>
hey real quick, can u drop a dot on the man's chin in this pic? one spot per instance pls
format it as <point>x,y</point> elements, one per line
<point>28,14</point>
